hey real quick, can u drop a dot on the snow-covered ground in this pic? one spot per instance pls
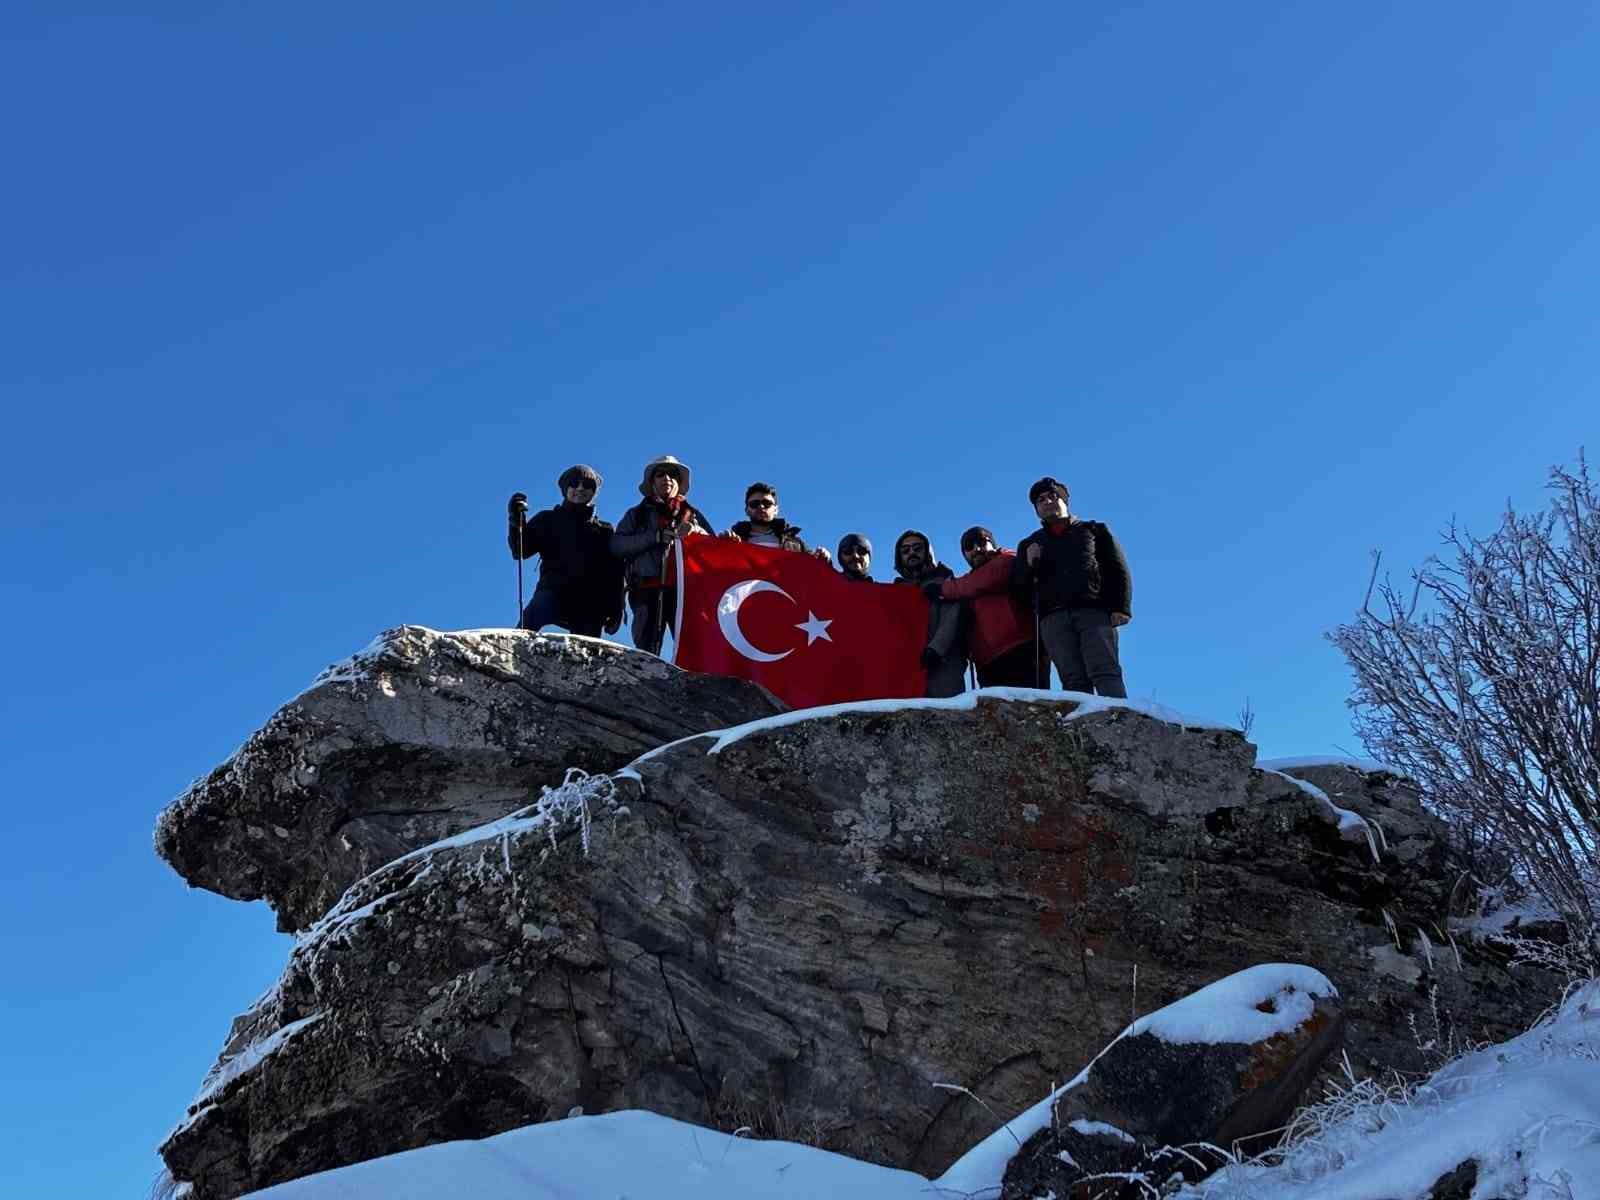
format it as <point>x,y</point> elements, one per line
<point>1528,1110</point>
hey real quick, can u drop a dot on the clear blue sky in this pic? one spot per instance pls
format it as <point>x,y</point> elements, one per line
<point>293,296</point>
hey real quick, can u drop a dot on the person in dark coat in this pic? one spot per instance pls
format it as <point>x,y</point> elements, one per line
<point>1084,591</point>
<point>944,657</point>
<point>1001,642</point>
<point>764,526</point>
<point>643,541</point>
<point>855,558</point>
<point>580,583</point>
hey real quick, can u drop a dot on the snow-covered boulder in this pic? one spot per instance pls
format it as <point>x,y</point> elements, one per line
<point>810,922</point>
<point>418,737</point>
<point>1222,1067</point>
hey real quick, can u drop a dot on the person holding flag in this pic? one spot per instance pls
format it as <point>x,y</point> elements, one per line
<point>943,656</point>
<point>1002,647</point>
<point>644,539</point>
<point>855,558</point>
<point>765,526</point>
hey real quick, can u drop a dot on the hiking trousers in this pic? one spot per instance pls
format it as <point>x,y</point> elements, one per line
<point>1082,642</point>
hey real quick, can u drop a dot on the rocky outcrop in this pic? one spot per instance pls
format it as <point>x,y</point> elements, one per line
<point>419,737</point>
<point>816,920</point>
<point>1224,1067</point>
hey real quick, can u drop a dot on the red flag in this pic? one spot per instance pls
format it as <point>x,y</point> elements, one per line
<point>796,626</point>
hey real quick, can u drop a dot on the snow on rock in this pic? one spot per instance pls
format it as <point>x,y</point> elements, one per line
<point>420,736</point>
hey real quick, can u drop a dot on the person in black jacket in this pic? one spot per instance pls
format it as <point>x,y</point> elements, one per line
<point>765,526</point>
<point>1078,576</point>
<point>580,583</point>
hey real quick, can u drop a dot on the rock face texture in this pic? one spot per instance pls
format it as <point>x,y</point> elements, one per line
<point>804,927</point>
<point>418,737</point>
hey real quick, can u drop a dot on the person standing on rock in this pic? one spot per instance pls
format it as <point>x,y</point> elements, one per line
<point>855,558</point>
<point>643,541</point>
<point>580,582</point>
<point>1002,644</point>
<point>764,526</point>
<point>944,658</point>
<point>1075,577</point>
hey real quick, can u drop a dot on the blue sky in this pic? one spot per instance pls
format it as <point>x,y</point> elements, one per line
<point>294,296</point>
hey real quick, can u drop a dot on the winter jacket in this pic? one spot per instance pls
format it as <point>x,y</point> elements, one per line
<point>575,560</point>
<point>998,623</point>
<point>788,535</point>
<point>637,540</point>
<point>1080,566</point>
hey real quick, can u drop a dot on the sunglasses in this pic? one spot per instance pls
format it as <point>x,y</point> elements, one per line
<point>583,485</point>
<point>762,502</point>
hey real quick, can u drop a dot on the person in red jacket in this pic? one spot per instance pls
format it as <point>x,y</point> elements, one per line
<point>1002,644</point>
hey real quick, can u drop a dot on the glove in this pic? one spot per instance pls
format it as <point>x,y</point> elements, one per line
<point>518,505</point>
<point>613,624</point>
<point>933,589</point>
<point>930,659</point>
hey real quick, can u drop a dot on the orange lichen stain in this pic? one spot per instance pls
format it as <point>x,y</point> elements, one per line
<point>1275,1055</point>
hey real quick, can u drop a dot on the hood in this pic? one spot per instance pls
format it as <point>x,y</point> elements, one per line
<point>933,558</point>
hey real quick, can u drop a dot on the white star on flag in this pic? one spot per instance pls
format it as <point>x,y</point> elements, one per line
<point>814,628</point>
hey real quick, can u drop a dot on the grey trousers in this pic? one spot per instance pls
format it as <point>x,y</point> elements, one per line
<point>949,678</point>
<point>654,610</point>
<point>1082,643</point>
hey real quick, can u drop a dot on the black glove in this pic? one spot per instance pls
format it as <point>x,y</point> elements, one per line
<point>933,588</point>
<point>930,659</point>
<point>613,624</point>
<point>517,506</point>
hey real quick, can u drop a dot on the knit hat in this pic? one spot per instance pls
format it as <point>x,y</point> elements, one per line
<point>1048,484</point>
<point>671,464</point>
<point>574,473</point>
<point>975,536</point>
<point>854,539</point>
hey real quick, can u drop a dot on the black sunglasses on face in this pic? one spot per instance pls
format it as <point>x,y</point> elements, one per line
<point>585,485</point>
<point>761,503</point>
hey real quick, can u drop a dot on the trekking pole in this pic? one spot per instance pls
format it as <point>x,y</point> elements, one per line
<point>518,625</point>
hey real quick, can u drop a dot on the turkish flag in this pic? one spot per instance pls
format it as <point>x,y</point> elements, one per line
<point>796,626</point>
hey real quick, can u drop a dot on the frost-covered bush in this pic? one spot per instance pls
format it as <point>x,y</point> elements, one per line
<point>1481,680</point>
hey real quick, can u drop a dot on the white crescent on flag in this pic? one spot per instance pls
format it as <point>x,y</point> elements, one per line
<point>728,617</point>
<point>728,620</point>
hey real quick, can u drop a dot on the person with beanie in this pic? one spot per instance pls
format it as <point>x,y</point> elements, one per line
<point>944,658</point>
<point>1001,644</point>
<point>580,583</point>
<point>855,558</point>
<point>643,541</point>
<point>764,526</point>
<point>1077,575</point>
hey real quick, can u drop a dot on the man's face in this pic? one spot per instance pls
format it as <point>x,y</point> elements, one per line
<point>913,556</point>
<point>1051,506</point>
<point>664,484</point>
<point>855,560</point>
<point>761,508</point>
<point>581,492</point>
<point>979,553</point>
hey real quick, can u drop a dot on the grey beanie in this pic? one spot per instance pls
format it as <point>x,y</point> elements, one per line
<point>975,535</point>
<point>576,472</point>
<point>854,539</point>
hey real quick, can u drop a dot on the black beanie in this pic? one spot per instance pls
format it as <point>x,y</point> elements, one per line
<point>975,535</point>
<point>855,539</point>
<point>581,471</point>
<point>1048,484</point>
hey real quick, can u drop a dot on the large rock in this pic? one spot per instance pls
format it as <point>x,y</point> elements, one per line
<point>808,925</point>
<point>418,737</point>
<point>1224,1067</point>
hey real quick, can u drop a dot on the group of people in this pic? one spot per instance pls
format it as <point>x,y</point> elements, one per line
<point>1057,599</point>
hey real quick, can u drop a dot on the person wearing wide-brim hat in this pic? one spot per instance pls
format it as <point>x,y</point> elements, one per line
<point>580,582</point>
<point>642,539</point>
